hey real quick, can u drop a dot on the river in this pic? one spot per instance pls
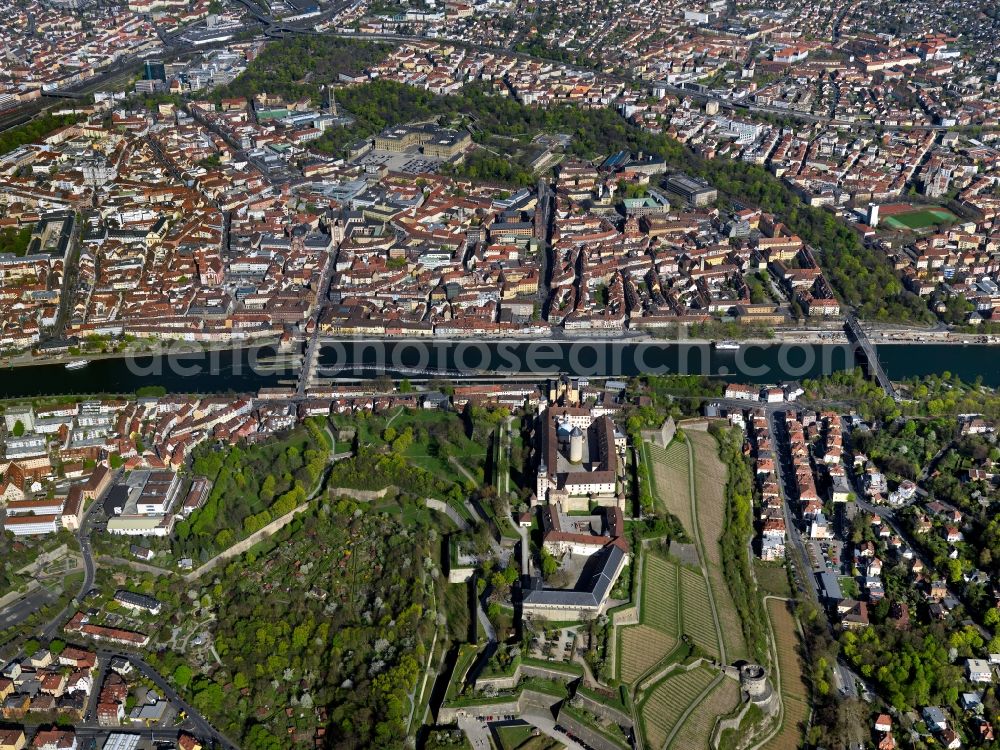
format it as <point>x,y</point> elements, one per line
<point>246,370</point>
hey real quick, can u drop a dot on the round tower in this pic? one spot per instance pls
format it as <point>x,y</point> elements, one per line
<point>753,680</point>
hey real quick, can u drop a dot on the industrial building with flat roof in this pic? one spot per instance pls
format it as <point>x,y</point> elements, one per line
<point>142,504</point>
<point>32,525</point>
<point>122,741</point>
<point>691,191</point>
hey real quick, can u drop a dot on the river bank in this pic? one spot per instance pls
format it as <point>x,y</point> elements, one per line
<point>163,349</point>
<point>956,339</point>
<point>269,345</point>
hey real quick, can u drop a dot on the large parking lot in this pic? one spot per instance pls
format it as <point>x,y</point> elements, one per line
<point>826,556</point>
<point>409,162</point>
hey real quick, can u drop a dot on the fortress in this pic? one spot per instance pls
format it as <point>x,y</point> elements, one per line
<point>580,459</point>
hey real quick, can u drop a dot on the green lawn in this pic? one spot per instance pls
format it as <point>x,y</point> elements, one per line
<point>512,738</point>
<point>417,456</point>
<point>456,605</point>
<point>415,513</point>
<point>772,578</point>
<point>467,653</point>
<point>436,435</point>
<point>849,587</point>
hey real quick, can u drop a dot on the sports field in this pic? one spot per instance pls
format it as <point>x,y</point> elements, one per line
<point>919,218</point>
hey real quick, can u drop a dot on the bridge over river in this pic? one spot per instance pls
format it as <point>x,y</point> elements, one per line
<point>857,334</point>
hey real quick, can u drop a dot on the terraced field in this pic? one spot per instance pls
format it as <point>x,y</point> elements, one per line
<point>642,647</point>
<point>669,700</point>
<point>729,617</point>
<point>696,731</point>
<point>697,618</point>
<point>646,644</point>
<point>794,692</point>
<point>669,470</point>
<point>679,599</point>
<point>660,594</point>
<point>710,478</point>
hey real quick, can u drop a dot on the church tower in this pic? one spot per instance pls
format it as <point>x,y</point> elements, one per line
<point>331,101</point>
<point>542,483</point>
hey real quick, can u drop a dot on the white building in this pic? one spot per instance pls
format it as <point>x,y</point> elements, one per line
<point>141,525</point>
<point>819,529</point>
<point>27,445</point>
<point>23,414</point>
<point>978,670</point>
<point>32,525</point>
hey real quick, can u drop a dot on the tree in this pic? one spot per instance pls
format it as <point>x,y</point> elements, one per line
<point>15,241</point>
<point>183,675</point>
<point>258,738</point>
<point>992,618</point>
<point>301,635</point>
<point>208,696</point>
<point>268,487</point>
<point>224,539</point>
<point>30,132</point>
<point>18,430</point>
<point>954,571</point>
<point>550,566</point>
<point>403,441</point>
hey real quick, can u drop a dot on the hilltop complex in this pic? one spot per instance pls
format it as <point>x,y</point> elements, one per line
<point>286,545</point>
